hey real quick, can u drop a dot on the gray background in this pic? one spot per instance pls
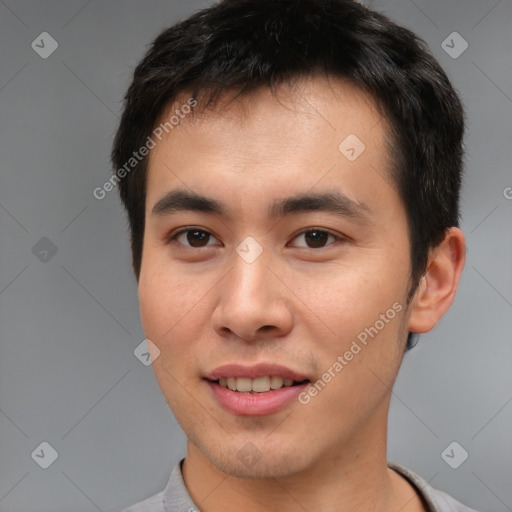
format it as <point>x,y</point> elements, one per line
<point>69,321</point>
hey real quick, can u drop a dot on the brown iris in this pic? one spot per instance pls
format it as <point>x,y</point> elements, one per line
<point>316,238</point>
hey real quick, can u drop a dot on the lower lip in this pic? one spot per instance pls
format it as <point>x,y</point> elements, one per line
<point>255,404</point>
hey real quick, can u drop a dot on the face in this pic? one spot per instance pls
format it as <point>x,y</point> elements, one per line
<point>294,263</point>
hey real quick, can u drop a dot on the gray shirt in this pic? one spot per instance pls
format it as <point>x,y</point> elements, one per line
<point>175,497</point>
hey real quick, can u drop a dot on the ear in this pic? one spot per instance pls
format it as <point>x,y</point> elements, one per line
<point>437,287</point>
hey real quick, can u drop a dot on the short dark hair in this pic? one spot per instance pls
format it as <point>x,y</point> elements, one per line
<point>243,45</point>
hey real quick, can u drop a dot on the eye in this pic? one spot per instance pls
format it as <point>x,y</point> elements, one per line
<point>192,237</point>
<point>316,238</point>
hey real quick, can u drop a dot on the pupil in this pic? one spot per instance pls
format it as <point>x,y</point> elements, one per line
<point>196,237</point>
<point>316,238</point>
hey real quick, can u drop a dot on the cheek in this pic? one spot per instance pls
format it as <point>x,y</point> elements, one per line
<point>164,304</point>
<point>361,307</point>
<point>175,310</point>
<point>166,301</point>
<point>347,298</point>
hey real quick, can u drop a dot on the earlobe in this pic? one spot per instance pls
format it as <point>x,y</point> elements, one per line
<point>438,286</point>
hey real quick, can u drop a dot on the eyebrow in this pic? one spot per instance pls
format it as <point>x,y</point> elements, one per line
<point>179,200</point>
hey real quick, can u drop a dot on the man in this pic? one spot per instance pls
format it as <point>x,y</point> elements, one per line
<point>291,172</point>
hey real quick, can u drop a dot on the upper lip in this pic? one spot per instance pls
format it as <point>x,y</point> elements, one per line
<point>255,371</point>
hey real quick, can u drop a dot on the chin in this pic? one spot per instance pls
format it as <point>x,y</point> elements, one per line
<point>247,459</point>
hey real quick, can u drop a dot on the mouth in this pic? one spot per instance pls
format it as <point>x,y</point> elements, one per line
<point>258,385</point>
<point>256,390</point>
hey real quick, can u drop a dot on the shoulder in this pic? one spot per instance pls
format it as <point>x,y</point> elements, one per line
<point>438,501</point>
<point>154,503</point>
<point>174,498</point>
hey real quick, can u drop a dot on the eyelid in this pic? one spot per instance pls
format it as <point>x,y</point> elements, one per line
<point>174,234</point>
<point>338,237</point>
<point>171,237</point>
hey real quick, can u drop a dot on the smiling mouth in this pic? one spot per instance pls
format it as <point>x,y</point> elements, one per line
<point>258,385</point>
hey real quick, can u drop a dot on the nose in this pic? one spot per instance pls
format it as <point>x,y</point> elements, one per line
<point>254,303</point>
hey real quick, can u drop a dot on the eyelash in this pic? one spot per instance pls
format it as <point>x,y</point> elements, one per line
<point>173,237</point>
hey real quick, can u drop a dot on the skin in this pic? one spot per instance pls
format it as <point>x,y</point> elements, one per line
<point>296,305</point>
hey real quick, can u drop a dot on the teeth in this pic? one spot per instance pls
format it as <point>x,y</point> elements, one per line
<point>231,383</point>
<point>276,382</point>
<point>243,384</point>
<point>259,385</point>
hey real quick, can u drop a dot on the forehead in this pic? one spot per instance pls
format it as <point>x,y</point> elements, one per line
<point>314,130</point>
<point>314,95</point>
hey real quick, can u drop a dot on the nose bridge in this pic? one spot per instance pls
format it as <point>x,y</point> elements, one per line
<point>252,297</point>
<point>249,276</point>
